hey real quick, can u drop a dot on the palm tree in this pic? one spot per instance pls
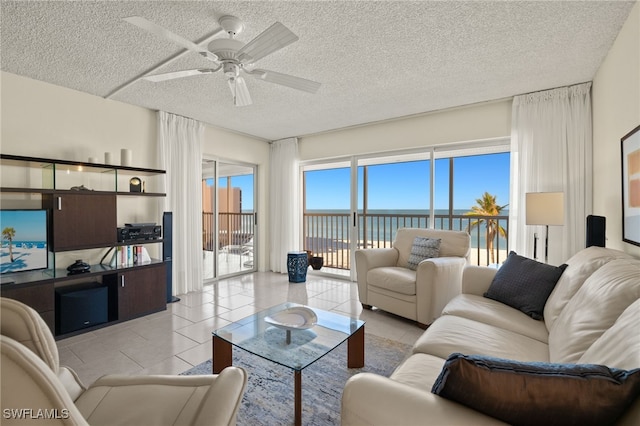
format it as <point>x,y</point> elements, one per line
<point>487,206</point>
<point>8,233</point>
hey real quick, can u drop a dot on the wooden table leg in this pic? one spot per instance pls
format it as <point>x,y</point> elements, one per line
<point>298,398</point>
<point>355,349</point>
<point>221,354</point>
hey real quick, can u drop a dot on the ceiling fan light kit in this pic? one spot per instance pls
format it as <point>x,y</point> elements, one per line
<point>232,56</point>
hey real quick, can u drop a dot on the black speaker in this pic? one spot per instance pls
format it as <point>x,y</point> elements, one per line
<point>81,306</point>
<point>167,253</point>
<point>596,230</point>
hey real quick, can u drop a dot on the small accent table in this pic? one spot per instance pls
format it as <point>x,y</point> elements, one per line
<point>254,335</point>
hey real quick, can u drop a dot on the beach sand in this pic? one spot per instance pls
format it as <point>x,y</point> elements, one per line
<point>24,259</point>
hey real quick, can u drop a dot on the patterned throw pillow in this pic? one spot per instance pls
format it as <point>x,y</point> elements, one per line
<point>423,248</point>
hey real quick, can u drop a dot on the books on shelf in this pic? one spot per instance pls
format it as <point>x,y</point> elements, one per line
<point>129,255</point>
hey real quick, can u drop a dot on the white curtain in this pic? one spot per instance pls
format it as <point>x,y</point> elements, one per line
<point>180,141</point>
<point>551,151</point>
<point>284,200</point>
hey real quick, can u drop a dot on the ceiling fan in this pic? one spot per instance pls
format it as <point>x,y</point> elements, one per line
<point>233,56</point>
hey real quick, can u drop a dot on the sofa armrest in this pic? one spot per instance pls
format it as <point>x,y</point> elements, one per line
<point>477,279</point>
<point>376,400</point>
<point>438,280</point>
<point>367,259</point>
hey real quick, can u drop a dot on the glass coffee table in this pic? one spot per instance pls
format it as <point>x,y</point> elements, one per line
<point>291,335</point>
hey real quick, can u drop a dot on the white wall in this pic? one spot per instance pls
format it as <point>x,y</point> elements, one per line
<point>44,120</point>
<point>473,122</point>
<point>616,111</point>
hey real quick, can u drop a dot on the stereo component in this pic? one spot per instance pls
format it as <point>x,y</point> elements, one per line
<point>132,233</point>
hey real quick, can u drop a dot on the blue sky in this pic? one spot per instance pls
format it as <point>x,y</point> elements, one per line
<point>30,225</point>
<point>406,185</point>
<point>403,186</point>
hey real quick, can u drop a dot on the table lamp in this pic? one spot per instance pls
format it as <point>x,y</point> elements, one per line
<point>544,208</point>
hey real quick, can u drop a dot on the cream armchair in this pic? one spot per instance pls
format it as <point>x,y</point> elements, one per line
<point>386,282</point>
<point>36,387</point>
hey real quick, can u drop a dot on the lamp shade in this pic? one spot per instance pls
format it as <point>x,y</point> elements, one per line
<point>544,208</point>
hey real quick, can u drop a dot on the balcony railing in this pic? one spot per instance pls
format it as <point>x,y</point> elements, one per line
<point>327,234</point>
<point>234,230</point>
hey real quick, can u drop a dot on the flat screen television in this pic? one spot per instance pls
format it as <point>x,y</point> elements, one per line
<point>24,240</point>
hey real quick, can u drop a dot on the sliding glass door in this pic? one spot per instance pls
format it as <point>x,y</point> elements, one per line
<point>229,218</point>
<point>361,202</point>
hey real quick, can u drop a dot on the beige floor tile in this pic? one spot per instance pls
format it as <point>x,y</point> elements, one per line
<point>152,352</point>
<point>90,371</point>
<point>201,331</point>
<point>172,341</point>
<point>170,366</point>
<point>198,354</point>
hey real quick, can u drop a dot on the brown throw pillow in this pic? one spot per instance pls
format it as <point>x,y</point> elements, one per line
<point>538,393</point>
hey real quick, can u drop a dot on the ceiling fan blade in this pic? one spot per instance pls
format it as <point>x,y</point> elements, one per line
<point>273,38</point>
<point>239,91</point>
<point>179,74</point>
<point>287,80</point>
<point>161,32</point>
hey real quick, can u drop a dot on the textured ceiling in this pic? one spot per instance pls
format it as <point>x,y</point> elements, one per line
<point>376,60</point>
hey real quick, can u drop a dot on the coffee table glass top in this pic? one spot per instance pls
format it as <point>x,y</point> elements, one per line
<point>257,336</point>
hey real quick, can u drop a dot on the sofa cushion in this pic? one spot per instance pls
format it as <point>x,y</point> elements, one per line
<point>498,314</point>
<point>423,248</point>
<point>538,393</point>
<point>524,284</point>
<point>449,334</point>
<point>454,243</point>
<point>603,297</point>
<point>395,278</point>
<point>619,346</point>
<point>419,371</point>
<point>579,267</point>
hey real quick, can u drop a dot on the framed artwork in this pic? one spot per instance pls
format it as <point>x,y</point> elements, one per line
<point>631,187</point>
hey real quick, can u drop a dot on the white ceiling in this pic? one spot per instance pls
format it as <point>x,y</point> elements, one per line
<point>376,60</point>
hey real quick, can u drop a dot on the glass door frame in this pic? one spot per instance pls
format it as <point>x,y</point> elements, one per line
<point>218,164</point>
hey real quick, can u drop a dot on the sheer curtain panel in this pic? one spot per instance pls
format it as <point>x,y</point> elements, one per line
<point>180,141</point>
<point>551,151</point>
<point>284,194</point>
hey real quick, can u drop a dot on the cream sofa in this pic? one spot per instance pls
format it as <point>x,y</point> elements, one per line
<point>591,317</point>
<point>37,390</point>
<point>386,282</point>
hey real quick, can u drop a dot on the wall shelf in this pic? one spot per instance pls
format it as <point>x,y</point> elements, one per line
<point>82,219</point>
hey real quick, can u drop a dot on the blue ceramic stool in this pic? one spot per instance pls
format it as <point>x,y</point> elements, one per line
<point>297,264</point>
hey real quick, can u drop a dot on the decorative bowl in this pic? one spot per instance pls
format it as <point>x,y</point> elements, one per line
<point>296,318</point>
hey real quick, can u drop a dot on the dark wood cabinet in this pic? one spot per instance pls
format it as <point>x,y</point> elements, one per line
<point>83,217</point>
<point>40,296</point>
<point>81,220</point>
<point>140,290</point>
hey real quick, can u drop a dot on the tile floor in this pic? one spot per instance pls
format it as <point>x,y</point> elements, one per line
<point>179,338</point>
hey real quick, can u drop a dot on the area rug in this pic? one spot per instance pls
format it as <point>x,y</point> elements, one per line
<point>269,398</point>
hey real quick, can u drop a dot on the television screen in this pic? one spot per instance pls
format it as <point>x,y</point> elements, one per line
<point>24,240</point>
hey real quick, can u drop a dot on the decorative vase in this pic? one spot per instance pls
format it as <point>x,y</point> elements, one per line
<point>316,262</point>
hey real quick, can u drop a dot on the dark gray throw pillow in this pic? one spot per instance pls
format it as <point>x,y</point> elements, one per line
<point>538,393</point>
<point>524,284</point>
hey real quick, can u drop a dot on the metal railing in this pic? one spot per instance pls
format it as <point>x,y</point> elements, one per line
<point>234,230</point>
<point>327,234</point>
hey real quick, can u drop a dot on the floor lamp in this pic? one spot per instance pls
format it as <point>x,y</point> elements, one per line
<point>544,208</point>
